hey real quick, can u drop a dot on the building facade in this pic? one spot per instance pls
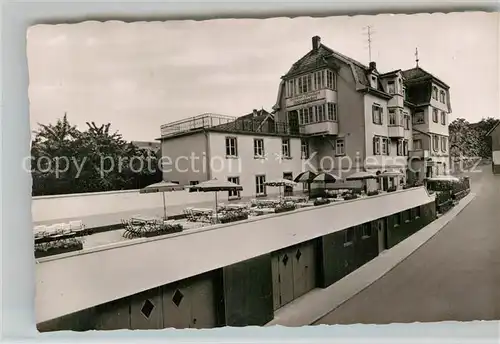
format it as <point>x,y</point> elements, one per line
<point>248,151</point>
<point>494,133</point>
<point>332,114</point>
<point>380,121</point>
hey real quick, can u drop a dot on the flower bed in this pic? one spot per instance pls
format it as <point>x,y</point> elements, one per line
<point>233,217</point>
<point>321,201</point>
<point>284,207</point>
<point>350,196</point>
<point>163,230</point>
<point>57,247</point>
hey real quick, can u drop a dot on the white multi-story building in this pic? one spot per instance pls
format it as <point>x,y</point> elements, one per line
<point>332,114</point>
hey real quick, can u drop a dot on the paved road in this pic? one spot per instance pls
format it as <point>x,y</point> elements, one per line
<point>454,276</point>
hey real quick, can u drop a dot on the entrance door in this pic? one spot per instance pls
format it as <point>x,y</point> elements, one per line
<point>385,183</point>
<point>293,122</point>
<point>288,189</point>
<point>146,311</point>
<point>429,172</point>
<point>189,304</point>
<point>303,269</point>
<point>382,235</point>
<point>285,277</point>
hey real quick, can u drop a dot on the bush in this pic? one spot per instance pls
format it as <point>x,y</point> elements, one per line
<point>321,201</point>
<point>391,189</point>
<point>57,247</point>
<point>372,193</point>
<point>232,217</point>
<point>284,207</point>
<point>163,229</point>
<point>350,196</point>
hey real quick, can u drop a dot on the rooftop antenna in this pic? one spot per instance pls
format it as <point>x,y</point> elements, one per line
<point>369,33</point>
<point>416,56</point>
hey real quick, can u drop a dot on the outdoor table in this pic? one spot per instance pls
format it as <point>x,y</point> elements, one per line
<point>143,219</point>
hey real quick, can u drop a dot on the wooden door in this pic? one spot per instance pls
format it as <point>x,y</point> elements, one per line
<point>176,306</point>
<point>304,275</point>
<point>285,277</point>
<point>275,266</point>
<point>203,312</point>
<point>382,235</point>
<point>146,310</point>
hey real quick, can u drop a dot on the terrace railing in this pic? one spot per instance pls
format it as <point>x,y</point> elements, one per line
<point>227,123</point>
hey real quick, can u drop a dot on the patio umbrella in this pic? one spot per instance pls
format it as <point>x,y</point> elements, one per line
<point>391,174</point>
<point>362,176</point>
<point>162,187</point>
<point>215,185</point>
<point>280,182</point>
<point>305,177</point>
<point>326,177</point>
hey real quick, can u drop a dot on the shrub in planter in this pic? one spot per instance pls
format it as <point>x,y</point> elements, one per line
<point>284,207</point>
<point>321,201</point>
<point>372,193</point>
<point>391,189</point>
<point>232,217</point>
<point>58,247</point>
<point>163,229</point>
<point>350,196</point>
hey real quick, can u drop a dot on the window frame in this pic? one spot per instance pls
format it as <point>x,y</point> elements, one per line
<point>444,143</point>
<point>340,143</point>
<point>376,145</point>
<point>393,84</point>
<point>443,118</point>
<point>420,144</point>
<point>228,147</point>
<point>349,233</point>
<point>376,108</point>
<point>256,148</point>
<point>231,194</point>
<point>262,185</point>
<point>304,153</point>
<point>435,143</point>
<point>288,154</point>
<point>434,92</point>
<point>435,115</point>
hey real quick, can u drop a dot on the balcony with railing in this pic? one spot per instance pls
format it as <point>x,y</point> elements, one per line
<point>229,124</point>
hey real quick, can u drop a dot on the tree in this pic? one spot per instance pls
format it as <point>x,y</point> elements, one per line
<point>464,141</point>
<point>483,127</point>
<point>96,159</point>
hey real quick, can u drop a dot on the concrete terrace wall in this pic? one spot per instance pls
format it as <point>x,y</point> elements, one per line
<point>53,208</point>
<point>168,259</point>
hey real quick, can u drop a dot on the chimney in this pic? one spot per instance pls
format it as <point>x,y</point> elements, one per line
<point>373,66</point>
<point>316,42</point>
<point>255,113</point>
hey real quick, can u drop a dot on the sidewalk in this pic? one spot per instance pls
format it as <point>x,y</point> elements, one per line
<point>317,303</point>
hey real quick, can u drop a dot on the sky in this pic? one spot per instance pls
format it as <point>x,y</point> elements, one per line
<point>138,76</point>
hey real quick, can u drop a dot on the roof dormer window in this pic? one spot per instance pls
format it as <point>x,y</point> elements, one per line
<point>391,87</point>
<point>374,82</point>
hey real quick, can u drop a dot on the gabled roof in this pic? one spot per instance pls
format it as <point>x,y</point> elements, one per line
<point>493,128</point>
<point>324,56</point>
<point>419,74</point>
